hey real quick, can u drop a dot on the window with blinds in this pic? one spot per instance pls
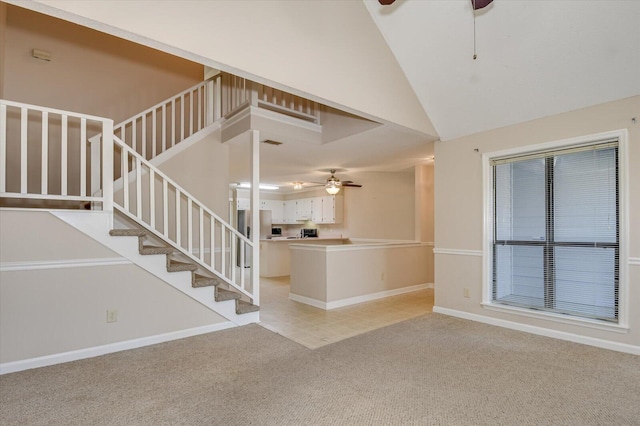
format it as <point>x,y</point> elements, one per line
<point>556,231</point>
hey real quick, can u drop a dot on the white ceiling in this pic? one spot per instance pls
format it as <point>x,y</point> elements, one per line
<point>535,58</point>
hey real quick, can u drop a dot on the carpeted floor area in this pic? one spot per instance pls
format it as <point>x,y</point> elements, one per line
<point>432,370</point>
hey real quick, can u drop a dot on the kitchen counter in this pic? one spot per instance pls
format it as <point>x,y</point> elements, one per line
<point>275,258</point>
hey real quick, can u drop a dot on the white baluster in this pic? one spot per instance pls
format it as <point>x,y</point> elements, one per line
<point>125,178</point>
<point>107,169</point>
<point>181,118</point>
<point>152,198</point>
<point>45,154</point>
<point>3,148</point>
<point>153,133</point>
<point>24,115</point>
<point>164,127</point>
<point>190,225</point>
<point>201,240</point>
<point>178,220</point>
<point>138,188</point>
<point>143,136</point>
<point>63,155</point>
<point>165,208</point>
<point>213,242</point>
<point>83,157</point>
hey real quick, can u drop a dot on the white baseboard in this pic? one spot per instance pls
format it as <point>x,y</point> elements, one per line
<point>358,299</point>
<point>576,338</point>
<point>43,361</point>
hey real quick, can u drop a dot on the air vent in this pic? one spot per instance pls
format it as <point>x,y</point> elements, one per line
<point>271,142</point>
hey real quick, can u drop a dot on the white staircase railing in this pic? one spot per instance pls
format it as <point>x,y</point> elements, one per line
<point>51,161</point>
<point>159,128</point>
<point>45,162</point>
<point>238,92</point>
<point>28,171</point>
<point>167,210</point>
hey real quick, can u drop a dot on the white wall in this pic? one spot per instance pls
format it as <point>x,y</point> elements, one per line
<point>459,210</point>
<point>315,39</point>
<point>62,306</point>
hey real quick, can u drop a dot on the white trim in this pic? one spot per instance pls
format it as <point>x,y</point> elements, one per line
<point>634,261</point>
<point>43,361</point>
<point>358,299</point>
<point>622,136</point>
<point>591,341</point>
<point>555,317</point>
<point>373,245</point>
<point>31,265</point>
<point>308,301</point>
<point>458,252</point>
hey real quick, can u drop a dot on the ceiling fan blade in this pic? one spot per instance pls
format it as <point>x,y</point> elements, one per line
<point>354,185</point>
<point>479,4</point>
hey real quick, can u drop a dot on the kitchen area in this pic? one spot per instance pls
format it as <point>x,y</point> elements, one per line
<point>307,219</point>
<point>318,284</point>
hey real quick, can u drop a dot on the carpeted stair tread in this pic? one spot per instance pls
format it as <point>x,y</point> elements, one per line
<point>222,295</point>
<point>155,250</point>
<point>127,233</point>
<point>243,307</point>
<point>203,281</point>
<point>175,266</point>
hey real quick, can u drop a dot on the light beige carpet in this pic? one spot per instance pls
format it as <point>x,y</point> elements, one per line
<point>433,370</point>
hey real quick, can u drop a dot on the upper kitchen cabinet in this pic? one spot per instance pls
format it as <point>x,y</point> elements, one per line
<point>332,209</point>
<point>277,210</point>
<point>289,212</point>
<point>304,207</point>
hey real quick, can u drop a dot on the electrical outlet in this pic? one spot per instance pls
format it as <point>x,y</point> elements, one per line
<point>112,315</point>
<point>465,292</point>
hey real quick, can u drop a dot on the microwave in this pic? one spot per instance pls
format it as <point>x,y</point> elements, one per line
<point>276,232</point>
<point>309,233</point>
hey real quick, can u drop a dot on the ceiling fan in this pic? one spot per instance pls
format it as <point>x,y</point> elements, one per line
<point>332,185</point>
<point>477,4</point>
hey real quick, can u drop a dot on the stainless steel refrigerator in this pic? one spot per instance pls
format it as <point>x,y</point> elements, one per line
<point>244,226</point>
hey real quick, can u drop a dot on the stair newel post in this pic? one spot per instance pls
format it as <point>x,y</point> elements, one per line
<point>107,168</point>
<point>255,216</point>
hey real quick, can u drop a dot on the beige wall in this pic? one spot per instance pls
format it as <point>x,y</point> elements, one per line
<point>459,207</point>
<point>50,310</point>
<point>90,72</point>
<point>254,38</point>
<point>202,169</point>
<point>383,208</point>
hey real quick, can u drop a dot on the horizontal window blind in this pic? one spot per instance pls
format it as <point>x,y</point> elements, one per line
<point>556,231</point>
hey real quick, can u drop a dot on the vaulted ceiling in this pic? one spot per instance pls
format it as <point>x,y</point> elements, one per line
<point>408,66</point>
<point>534,58</point>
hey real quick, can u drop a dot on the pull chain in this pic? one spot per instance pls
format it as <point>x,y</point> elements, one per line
<point>475,56</point>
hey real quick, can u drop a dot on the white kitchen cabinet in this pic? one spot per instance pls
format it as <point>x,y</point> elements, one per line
<point>277,210</point>
<point>303,209</point>
<point>289,211</point>
<point>332,209</point>
<point>316,209</point>
<point>243,204</point>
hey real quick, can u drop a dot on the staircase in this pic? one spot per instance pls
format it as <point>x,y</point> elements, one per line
<point>113,168</point>
<point>198,280</point>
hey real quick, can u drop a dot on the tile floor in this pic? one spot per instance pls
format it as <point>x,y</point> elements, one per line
<point>314,327</point>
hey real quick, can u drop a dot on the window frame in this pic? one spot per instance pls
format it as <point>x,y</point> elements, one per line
<point>488,230</point>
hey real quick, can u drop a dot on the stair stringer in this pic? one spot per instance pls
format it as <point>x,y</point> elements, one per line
<point>97,224</point>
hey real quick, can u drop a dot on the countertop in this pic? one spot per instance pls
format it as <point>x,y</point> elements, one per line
<point>299,240</point>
